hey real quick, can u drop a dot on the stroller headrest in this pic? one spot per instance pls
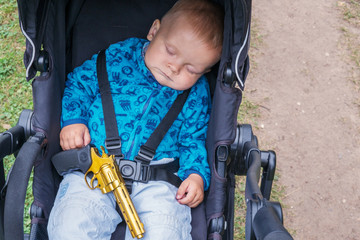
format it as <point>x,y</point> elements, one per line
<point>101,23</point>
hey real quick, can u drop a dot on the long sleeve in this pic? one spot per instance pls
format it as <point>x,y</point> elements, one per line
<point>80,90</point>
<point>193,155</point>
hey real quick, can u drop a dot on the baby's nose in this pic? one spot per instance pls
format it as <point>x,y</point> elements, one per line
<point>175,68</point>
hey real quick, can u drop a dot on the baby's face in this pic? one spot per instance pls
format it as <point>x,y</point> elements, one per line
<point>177,57</point>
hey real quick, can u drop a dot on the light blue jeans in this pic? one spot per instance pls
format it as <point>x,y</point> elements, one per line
<point>82,213</point>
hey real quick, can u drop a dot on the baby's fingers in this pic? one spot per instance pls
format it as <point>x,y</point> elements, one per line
<point>74,136</point>
<point>181,193</point>
<point>87,138</point>
<point>188,199</point>
<point>78,141</point>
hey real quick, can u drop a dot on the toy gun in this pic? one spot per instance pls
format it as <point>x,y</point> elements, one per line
<point>105,170</point>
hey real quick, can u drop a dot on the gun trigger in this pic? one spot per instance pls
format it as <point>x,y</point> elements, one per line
<point>91,184</point>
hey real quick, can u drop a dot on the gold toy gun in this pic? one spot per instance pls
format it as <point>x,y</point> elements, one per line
<point>105,170</point>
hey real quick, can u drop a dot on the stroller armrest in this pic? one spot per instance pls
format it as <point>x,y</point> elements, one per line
<point>11,140</point>
<point>17,184</point>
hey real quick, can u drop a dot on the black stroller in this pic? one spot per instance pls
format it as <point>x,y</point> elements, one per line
<point>60,35</point>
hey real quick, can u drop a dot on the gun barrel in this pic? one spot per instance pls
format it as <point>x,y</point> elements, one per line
<point>132,219</point>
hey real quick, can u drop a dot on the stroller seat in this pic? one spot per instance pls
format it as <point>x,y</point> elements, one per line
<point>61,35</point>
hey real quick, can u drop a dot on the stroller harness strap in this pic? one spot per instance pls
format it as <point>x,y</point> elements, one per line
<point>139,169</point>
<point>112,142</point>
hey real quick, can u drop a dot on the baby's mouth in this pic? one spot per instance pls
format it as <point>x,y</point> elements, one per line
<point>166,76</point>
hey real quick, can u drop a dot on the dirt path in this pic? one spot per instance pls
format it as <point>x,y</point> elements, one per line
<point>309,115</point>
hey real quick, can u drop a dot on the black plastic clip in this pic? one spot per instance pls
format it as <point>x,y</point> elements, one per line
<point>143,159</point>
<point>113,145</point>
<point>145,154</point>
<point>143,172</point>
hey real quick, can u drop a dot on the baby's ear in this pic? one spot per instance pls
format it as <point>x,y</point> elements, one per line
<point>153,30</point>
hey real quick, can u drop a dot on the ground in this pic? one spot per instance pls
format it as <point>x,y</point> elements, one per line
<point>302,80</point>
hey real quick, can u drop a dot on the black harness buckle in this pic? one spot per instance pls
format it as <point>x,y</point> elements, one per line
<point>135,171</point>
<point>139,169</point>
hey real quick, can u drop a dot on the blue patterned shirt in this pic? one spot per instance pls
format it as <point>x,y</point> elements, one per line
<point>140,104</point>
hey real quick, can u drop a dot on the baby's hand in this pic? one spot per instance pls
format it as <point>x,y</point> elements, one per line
<point>74,136</point>
<point>191,191</point>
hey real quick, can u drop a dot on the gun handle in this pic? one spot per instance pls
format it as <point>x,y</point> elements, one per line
<point>72,160</point>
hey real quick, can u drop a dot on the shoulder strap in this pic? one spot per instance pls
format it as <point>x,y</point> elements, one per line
<point>147,151</point>
<point>112,141</point>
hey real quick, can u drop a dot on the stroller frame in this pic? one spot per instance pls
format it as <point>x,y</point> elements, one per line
<point>232,148</point>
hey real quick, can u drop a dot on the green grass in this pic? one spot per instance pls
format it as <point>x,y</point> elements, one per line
<point>351,11</point>
<point>248,112</point>
<point>240,208</point>
<point>15,91</point>
<point>351,38</point>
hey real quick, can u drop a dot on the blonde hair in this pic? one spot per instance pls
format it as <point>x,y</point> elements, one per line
<point>206,18</point>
